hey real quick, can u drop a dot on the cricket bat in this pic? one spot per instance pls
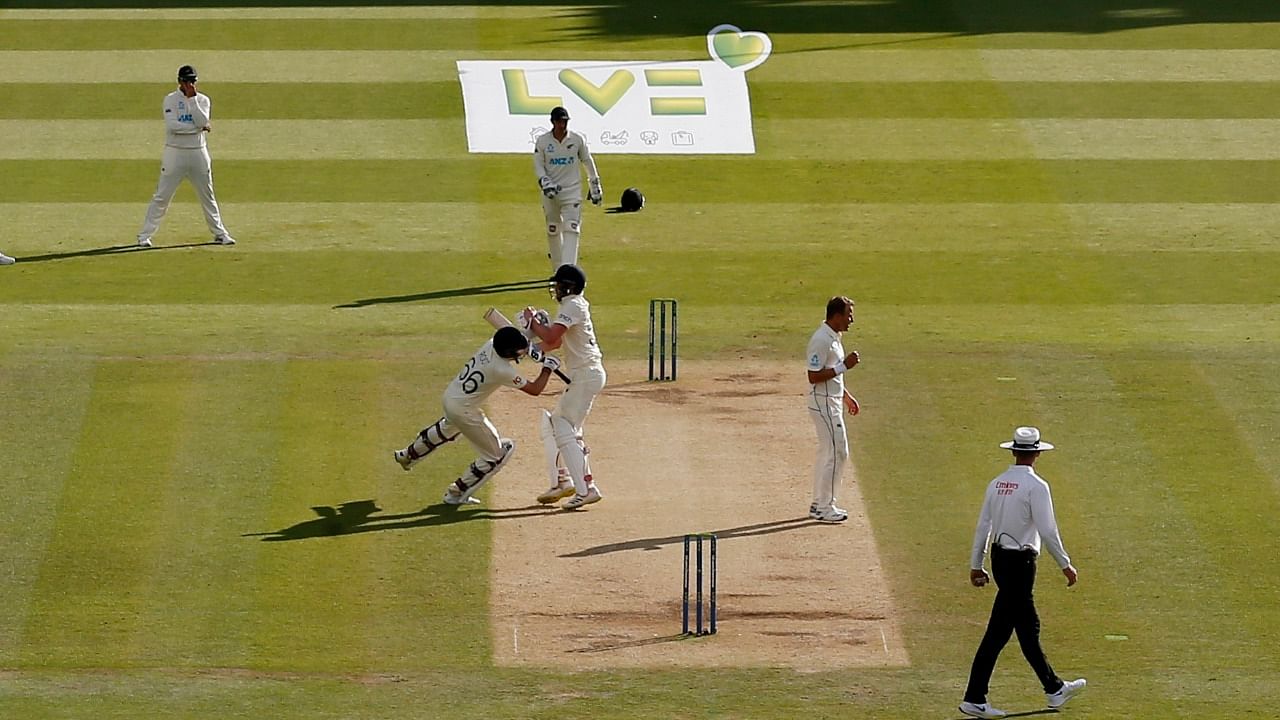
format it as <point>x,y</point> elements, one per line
<point>495,318</point>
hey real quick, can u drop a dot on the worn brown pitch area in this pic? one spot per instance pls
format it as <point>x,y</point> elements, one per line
<point>727,450</point>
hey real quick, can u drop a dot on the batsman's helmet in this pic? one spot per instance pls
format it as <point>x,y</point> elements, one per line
<point>559,113</point>
<point>632,199</point>
<point>186,73</point>
<point>571,278</point>
<point>509,341</point>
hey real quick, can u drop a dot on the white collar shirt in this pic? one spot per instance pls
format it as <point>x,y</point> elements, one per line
<point>825,351</point>
<point>1017,514</point>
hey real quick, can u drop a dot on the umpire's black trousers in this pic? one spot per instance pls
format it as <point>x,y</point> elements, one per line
<point>1014,610</point>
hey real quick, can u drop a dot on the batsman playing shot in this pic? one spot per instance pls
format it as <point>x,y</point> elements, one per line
<point>556,159</point>
<point>492,367</point>
<point>562,428</point>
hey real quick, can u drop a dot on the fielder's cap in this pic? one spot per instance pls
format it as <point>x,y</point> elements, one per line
<point>186,73</point>
<point>559,113</point>
<point>1026,439</point>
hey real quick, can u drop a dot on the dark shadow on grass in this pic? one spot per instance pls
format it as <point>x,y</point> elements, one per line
<point>656,543</point>
<point>360,516</point>
<point>680,18</point>
<point>516,286</point>
<point>113,250</point>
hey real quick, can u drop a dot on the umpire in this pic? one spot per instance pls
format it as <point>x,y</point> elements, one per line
<point>1016,514</point>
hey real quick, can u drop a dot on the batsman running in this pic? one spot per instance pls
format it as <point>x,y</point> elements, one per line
<point>556,157</point>
<point>562,428</point>
<point>492,367</point>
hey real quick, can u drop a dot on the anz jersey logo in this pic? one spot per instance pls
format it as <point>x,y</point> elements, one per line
<point>561,161</point>
<point>185,118</point>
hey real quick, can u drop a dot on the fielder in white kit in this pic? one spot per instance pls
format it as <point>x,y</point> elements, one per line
<point>827,394</point>
<point>562,429</point>
<point>186,122</point>
<point>492,367</point>
<point>557,156</point>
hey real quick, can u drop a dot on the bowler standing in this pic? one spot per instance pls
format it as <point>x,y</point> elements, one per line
<point>828,399</point>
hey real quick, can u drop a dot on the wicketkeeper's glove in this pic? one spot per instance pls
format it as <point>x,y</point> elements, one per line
<point>548,188</point>
<point>596,193</point>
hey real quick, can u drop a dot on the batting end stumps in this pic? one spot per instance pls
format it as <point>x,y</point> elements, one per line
<point>696,542</point>
<point>659,310</point>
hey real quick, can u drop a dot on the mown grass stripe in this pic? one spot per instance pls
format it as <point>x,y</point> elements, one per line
<point>240,139</point>
<point>446,12</point>
<point>89,605</point>
<point>1229,511</point>
<point>39,432</point>
<point>289,34</point>
<point>1031,65</point>
<point>824,66</point>
<point>445,227</point>
<point>67,67</point>
<point>506,179</point>
<point>988,99</point>
<point>897,140</point>
<point>237,101</point>
<point>780,100</point>
<point>322,413</point>
<point>1080,278</point>
<point>201,586</point>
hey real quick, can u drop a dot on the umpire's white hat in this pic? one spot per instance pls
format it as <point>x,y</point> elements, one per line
<point>1026,439</point>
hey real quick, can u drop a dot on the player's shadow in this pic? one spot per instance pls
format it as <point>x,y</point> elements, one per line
<point>113,250</point>
<point>362,516</point>
<point>518,285</point>
<point>656,543</point>
<point>1027,713</point>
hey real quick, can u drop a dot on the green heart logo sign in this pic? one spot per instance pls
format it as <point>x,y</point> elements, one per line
<point>737,49</point>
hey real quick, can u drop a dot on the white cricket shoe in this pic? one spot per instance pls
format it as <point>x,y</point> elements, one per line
<point>6,260</point>
<point>593,496</point>
<point>453,496</point>
<point>403,458</point>
<point>224,240</point>
<point>983,710</point>
<point>1066,692</point>
<point>814,512</point>
<point>833,516</point>
<point>144,242</point>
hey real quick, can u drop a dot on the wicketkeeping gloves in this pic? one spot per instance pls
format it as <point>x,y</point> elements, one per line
<point>596,193</point>
<point>548,188</point>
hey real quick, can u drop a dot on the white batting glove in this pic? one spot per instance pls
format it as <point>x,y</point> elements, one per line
<point>550,362</point>
<point>536,354</point>
<point>596,193</point>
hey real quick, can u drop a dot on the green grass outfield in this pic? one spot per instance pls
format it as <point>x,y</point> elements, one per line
<point>1066,219</point>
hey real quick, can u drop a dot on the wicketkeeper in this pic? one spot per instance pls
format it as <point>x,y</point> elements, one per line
<point>556,159</point>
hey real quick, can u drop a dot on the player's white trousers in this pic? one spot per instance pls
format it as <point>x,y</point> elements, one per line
<point>833,451</point>
<point>564,228</point>
<point>568,418</point>
<point>476,428</point>
<point>176,164</point>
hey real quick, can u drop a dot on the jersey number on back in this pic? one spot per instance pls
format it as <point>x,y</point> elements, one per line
<point>470,377</point>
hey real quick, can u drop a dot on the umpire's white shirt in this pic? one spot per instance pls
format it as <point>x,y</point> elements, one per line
<point>826,351</point>
<point>184,120</point>
<point>1016,513</point>
<point>559,161</point>
<point>483,374</point>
